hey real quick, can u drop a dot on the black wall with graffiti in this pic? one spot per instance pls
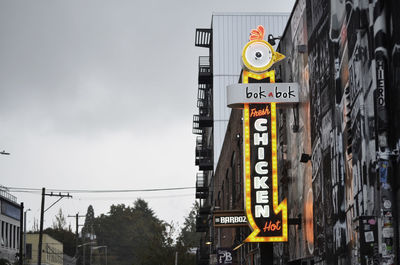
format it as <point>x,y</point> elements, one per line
<point>346,57</point>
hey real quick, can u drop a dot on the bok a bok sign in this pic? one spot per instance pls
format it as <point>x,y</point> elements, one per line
<point>258,95</point>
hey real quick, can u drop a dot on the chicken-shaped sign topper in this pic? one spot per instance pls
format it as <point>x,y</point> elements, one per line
<point>258,55</point>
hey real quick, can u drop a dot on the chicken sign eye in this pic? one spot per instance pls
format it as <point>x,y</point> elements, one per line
<point>257,56</point>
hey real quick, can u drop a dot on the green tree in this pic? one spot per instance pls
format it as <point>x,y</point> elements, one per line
<point>60,223</point>
<point>35,227</point>
<point>188,240</point>
<point>60,232</point>
<point>4,262</point>
<point>88,227</point>
<point>134,235</point>
<point>67,237</point>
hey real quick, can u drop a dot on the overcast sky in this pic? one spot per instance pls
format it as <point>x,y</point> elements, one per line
<point>98,94</point>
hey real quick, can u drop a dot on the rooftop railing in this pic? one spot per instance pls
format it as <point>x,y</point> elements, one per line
<point>6,195</point>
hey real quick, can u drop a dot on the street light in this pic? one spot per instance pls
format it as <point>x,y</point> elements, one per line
<point>27,210</point>
<point>83,250</point>
<point>97,247</point>
<point>85,244</point>
<point>4,153</point>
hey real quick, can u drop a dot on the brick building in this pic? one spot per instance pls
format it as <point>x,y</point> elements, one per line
<point>338,148</point>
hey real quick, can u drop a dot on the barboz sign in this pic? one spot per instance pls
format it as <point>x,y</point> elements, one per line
<point>237,94</point>
<point>229,219</point>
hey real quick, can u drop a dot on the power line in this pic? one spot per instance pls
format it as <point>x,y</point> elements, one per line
<point>36,190</point>
<point>131,198</point>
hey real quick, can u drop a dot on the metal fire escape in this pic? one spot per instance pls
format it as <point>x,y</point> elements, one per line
<point>202,127</point>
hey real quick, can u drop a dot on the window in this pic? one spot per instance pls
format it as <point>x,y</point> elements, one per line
<point>223,196</point>
<point>219,199</point>
<point>7,236</point>
<point>18,237</point>
<point>14,231</point>
<point>233,168</point>
<point>28,253</point>
<point>10,236</point>
<point>2,234</point>
<point>228,192</point>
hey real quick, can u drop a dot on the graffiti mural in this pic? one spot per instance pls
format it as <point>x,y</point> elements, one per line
<point>346,57</point>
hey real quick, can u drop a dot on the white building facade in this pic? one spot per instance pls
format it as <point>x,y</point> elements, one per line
<point>10,225</point>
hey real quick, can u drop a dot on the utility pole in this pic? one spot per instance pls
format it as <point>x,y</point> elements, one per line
<point>76,231</point>
<point>42,210</point>
<point>41,228</point>
<point>21,236</point>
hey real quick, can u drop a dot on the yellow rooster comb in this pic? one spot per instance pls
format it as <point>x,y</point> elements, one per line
<point>257,34</point>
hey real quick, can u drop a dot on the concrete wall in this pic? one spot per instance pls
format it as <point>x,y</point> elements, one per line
<point>52,250</point>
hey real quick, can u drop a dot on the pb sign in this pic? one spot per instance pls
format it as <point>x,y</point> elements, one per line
<point>258,95</point>
<point>224,256</point>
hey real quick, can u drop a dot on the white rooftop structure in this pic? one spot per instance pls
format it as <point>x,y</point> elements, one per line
<point>230,32</point>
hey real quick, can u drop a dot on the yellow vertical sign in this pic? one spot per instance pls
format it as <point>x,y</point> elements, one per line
<point>266,216</point>
<point>267,219</point>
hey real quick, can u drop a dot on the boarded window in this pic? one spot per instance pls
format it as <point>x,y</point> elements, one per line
<point>28,253</point>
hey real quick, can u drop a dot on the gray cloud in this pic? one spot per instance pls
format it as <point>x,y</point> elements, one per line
<point>95,93</point>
